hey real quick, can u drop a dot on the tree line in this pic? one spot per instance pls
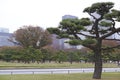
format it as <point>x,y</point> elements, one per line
<point>32,55</point>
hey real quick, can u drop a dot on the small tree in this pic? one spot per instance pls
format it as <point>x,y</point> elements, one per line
<point>61,56</point>
<point>102,26</point>
<point>115,56</point>
<point>73,57</point>
<point>50,52</point>
<point>11,53</point>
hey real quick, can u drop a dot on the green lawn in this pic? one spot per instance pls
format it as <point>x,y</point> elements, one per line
<point>81,76</point>
<point>4,65</point>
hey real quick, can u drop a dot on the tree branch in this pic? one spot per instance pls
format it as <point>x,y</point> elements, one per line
<point>92,16</point>
<point>89,46</point>
<point>76,36</point>
<point>109,34</point>
<point>86,35</point>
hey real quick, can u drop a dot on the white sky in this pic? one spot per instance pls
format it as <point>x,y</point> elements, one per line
<point>45,13</point>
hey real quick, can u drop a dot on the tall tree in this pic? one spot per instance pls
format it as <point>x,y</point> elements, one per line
<point>102,26</point>
<point>33,36</point>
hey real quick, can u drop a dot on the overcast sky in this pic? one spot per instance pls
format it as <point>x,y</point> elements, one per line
<point>45,13</point>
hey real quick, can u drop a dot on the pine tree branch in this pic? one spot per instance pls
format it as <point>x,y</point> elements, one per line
<point>92,15</point>
<point>86,35</point>
<point>110,33</point>
<point>92,47</point>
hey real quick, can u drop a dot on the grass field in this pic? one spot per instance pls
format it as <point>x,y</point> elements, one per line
<point>83,76</point>
<point>4,65</point>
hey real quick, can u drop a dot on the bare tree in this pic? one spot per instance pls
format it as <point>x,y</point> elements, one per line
<point>33,36</point>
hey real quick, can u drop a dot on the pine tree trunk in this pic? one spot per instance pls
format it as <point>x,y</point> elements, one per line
<point>98,66</point>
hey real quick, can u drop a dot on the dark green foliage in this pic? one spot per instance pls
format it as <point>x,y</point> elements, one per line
<point>63,35</point>
<point>101,8</point>
<point>54,30</point>
<point>115,55</point>
<point>114,14</point>
<point>10,53</point>
<point>31,55</point>
<point>71,23</point>
<point>74,25</point>
<point>61,56</point>
<point>105,24</point>
<point>74,42</point>
<point>89,41</point>
<point>45,55</point>
<point>20,54</point>
<point>85,22</point>
<point>73,57</point>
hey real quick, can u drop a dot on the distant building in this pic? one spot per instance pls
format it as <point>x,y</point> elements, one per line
<point>61,43</point>
<point>4,39</point>
<point>69,17</point>
<point>4,30</point>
